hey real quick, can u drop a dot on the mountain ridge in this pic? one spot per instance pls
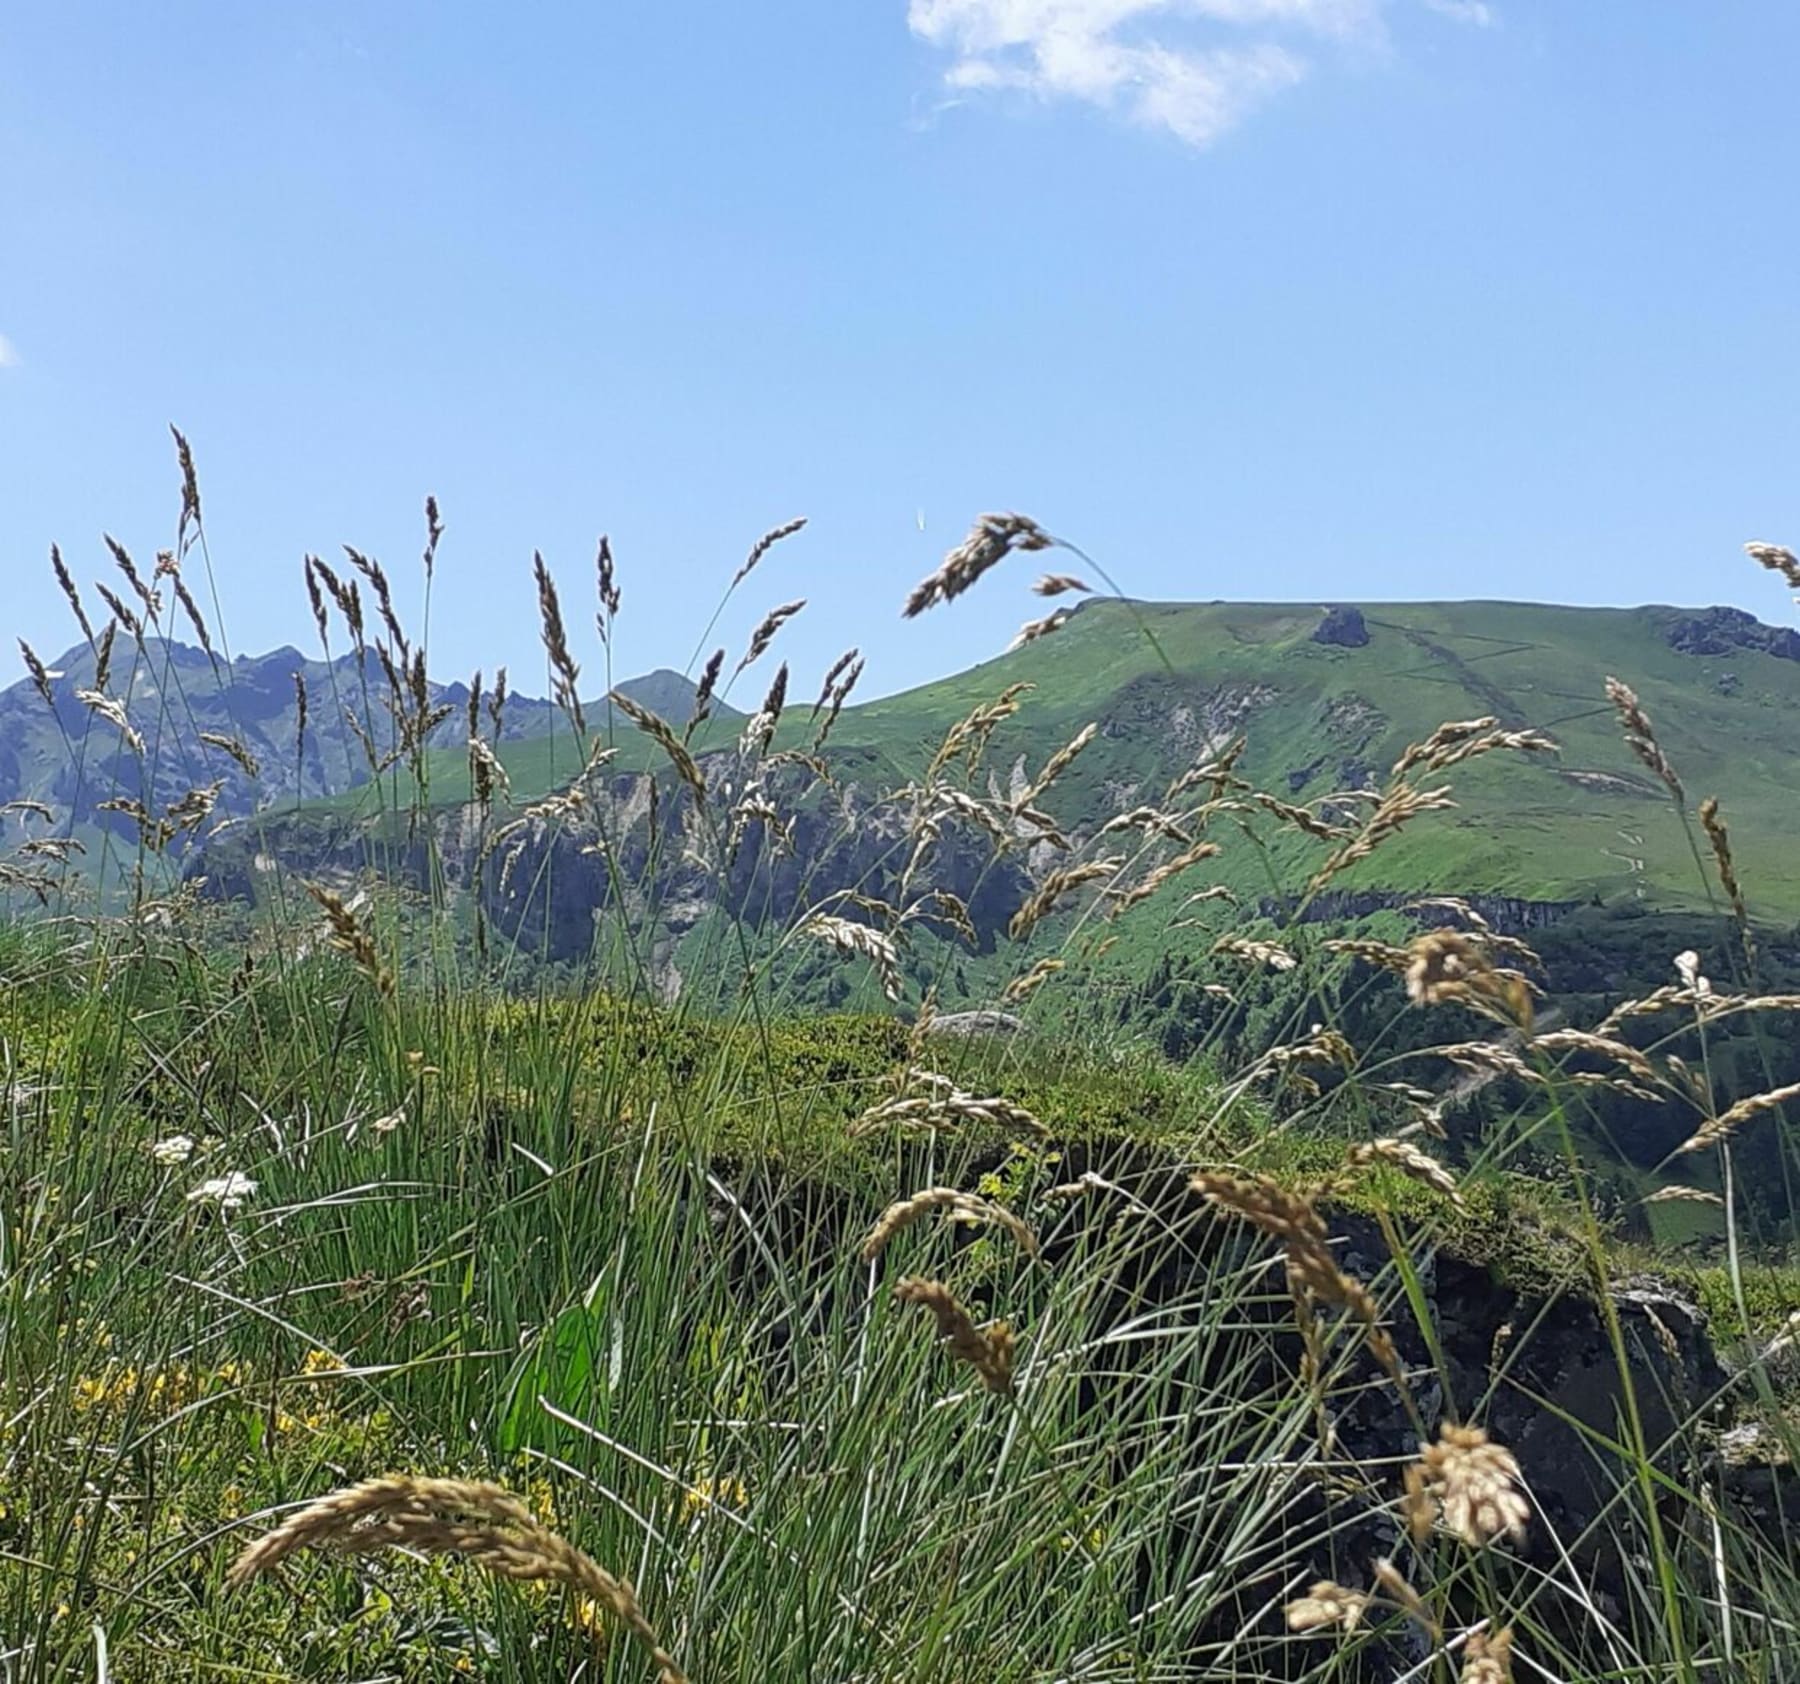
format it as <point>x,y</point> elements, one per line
<point>1326,695</point>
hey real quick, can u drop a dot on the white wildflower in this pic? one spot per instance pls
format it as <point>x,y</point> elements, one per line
<point>177,1149</point>
<point>1687,967</point>
<point>228,1192</point>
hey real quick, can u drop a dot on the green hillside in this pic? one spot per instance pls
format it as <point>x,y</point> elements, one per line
<point>1166,682</point>
<point>1591,821</point>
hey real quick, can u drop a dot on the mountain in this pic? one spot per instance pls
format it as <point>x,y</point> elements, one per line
<point>1326,699</point>
<point>73,759</point>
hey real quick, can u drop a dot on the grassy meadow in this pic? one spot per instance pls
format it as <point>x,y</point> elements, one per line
<point>763,1343</point>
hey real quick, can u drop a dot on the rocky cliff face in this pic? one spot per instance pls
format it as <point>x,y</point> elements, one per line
<point>631,845</point>
<point>1727,631</point>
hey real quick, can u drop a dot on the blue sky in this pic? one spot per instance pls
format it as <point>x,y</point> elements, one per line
<point>1317,299</point>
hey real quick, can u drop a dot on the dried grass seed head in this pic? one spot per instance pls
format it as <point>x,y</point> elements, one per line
<point>989,1352</point>
<point>1474,1484</point>
<point>990,540</point>
<point>763,545</point>
<point>1777,559</point>
<point>967,1207</point>
<point>66,582</point>
<point>1327,1605</point>
<point>1640,736</point>
<point>480,1522</point>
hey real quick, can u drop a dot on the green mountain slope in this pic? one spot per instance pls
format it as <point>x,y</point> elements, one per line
<point>1320,718</point>
<point>1169,683</point>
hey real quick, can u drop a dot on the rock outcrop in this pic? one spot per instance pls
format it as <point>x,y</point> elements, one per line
<point>1725,631</point>
<point>1343,627</point>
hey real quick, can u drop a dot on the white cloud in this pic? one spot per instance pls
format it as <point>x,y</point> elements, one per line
<point>1477,12</point>
<point>9,358</point>
<point>1193,67</point>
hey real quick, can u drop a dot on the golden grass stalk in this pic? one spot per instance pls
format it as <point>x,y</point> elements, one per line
<point>1379,953</point>
<point>372,570</point>
<point>990,540</point>
<point>1220,771</point>
<point>1447,966</point>
<point>1302,818</point>
<point>764,635</point>
<point>556,645</point>
<point>949,1105</point>
<point>189,526</point>
<point>943,906</point>
<point>1471,1484</point>
<point>838,668</point>
<point>839,695</point>
<point>151,600</point>
<point>1270,955</point>
<point>1398,1590</point>
<point>235,749</point>
<point>861,940</point>
<point>67,583</point>
<point>763,545</point>
<point>40,674</point>
<point>1032,630</point>
<point>113,712</point>
<point>487,773</point>
<point>1043,899</point>
<point>703,693</point>
<point>1675,1193</point>
<point>1021,988</point>
<point>1291,1218</point>
<point>903,1213</point>
<point>1151,820</point>
<point>434,533</point>
<point>658,729</point>
<point>606,588</point>
<point>1410,1161</point>
<point>481,1522</point>
<point>314,596</point>
<point>119,611</point>
<point>989,1353</point>
<point>349,937</point>
<point>103,655</point>
<point>760,732</point>
<point>1398,806</point>
<point>58,848</point>
<point>1446,737</point>
<point>1327,1604</point>
<point>1722,1127</point>
<point>1061,584</point>
<point>192,809</point>
<point>1058,763</point>
<point>1720,840</point>
<point>192,610</point>
<point>1462,739</point>
<point>337,590</point>
<point>969,736</point>
<point>1640,736</point>
<point>1777,559</point>
<point>1488,1657</point>
<point>154,832</point>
